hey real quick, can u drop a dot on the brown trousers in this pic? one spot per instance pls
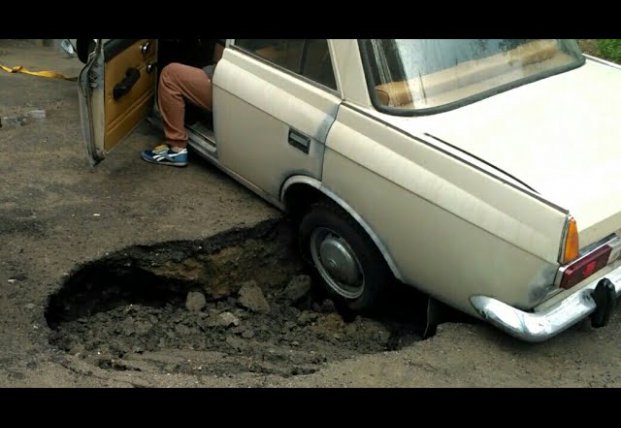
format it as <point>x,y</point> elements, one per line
<point>178,83</point>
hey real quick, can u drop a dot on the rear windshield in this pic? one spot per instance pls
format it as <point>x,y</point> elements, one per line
<point>408,75</point>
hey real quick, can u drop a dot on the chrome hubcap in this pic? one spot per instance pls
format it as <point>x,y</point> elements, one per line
<point>337,263</point>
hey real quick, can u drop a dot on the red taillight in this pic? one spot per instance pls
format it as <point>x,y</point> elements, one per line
<point>585,267</point>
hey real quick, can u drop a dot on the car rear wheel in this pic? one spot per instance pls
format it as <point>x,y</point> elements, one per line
<point>349,265</point>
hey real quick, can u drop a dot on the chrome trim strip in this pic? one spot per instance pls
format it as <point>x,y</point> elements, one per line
<point>561,249</point>
<point>602,61</point>
<point>483,161</point>
<point>461,159</point>
<point>540,326</point>
<point>313,182</point>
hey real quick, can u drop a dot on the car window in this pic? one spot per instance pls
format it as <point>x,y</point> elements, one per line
<point>420,74</point>
<point>307,57</point>
<point>317,64</point>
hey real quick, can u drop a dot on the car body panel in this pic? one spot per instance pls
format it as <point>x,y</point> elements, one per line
<point>557,139</point>
<point>442,209</point>
<point>261,111</point>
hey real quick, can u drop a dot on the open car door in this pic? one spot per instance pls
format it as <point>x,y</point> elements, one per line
<point>116,88</point>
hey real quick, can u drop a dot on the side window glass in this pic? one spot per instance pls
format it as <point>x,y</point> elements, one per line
<point>317,64</point>
<point>307,57</point>
<point>284,52</point>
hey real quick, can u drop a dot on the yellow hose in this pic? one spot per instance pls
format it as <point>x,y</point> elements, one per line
<point>48,74</point>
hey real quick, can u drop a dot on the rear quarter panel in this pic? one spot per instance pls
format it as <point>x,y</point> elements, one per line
<point>452,230</point>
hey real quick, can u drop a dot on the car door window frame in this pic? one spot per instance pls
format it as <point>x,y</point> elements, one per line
<point>335,91</point>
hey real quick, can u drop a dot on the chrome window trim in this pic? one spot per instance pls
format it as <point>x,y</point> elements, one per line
<point>561,248</point>
<point>601,61</point>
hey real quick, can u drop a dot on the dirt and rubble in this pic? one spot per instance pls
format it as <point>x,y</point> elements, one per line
<point>221,310</point>
<point>133,275</point>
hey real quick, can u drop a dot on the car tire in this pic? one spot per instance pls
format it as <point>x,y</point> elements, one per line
<point>348,264</point>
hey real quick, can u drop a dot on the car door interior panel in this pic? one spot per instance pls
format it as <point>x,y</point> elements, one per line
<point>130,80</point>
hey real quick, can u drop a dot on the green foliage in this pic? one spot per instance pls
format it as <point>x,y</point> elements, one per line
<point>610,49</point>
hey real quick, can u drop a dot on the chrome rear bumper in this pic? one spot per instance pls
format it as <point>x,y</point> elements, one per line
<point>540,326</point>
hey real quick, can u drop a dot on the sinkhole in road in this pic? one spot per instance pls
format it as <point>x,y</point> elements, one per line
<point>240,301</point>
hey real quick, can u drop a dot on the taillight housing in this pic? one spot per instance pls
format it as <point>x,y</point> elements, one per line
<point>585,266</point>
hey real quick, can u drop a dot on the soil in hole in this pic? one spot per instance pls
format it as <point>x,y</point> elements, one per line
<point>233,304</point>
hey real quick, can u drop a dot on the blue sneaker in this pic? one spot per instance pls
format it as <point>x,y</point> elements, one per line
<point>164,156</point>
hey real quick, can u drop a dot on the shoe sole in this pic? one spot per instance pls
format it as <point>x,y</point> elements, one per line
<point>177,164</point>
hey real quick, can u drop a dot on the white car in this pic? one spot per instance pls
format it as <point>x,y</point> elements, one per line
<point>482,172</point>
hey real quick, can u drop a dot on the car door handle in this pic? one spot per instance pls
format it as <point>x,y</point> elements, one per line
<point>132,75</point>
<point>299,141</point>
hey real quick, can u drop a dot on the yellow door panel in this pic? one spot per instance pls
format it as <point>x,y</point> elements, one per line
<point>128,109</point>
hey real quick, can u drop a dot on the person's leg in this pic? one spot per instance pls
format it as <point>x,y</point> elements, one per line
<point>179,82</point>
